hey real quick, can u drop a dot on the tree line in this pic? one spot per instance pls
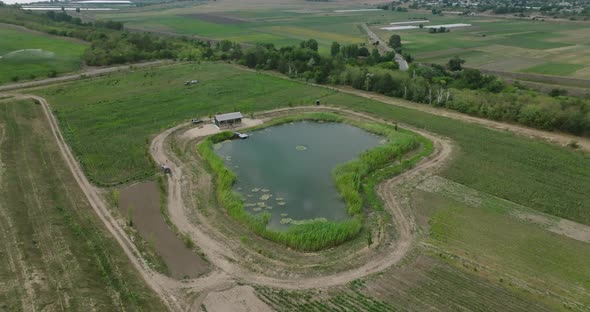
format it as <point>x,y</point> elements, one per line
<point>452,86</point>
<point>357,65</point>
<point>109,43</point>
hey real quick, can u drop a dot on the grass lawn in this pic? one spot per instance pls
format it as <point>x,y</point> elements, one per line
<point>557,69</point>
<point>46,53</point>
<point>56,254</point>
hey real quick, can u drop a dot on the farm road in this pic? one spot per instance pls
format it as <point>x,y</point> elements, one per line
<point>384,48</point>
<point>95,72</point>
<point>558,138</point>
<point>218,252</point>
<point>180,295</point>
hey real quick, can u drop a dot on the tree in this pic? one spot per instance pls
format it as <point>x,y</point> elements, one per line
<point>310,44</point>
<point>335,48</point>
<point>77,10</point>
<point>363,51</point>
<point>225,45</point>
<point>375,55</point>
<point>455,63</point>
<point>421,26</point>
<point>395,41</point>
<point>408,57</point>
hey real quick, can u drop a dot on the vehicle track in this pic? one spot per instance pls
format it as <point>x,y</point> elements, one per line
<point>216,250</point>
<point>180,295</point>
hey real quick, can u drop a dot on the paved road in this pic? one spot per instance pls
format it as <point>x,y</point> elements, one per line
<point>384,48</point>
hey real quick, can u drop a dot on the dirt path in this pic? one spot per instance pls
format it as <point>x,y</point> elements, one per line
<point>218,253</point>
<point>159,283</point>
<point>558,138</point>
<point>552,137</point>
<point>179,295</point>
<point>191,294</point>
<point>94,72</point>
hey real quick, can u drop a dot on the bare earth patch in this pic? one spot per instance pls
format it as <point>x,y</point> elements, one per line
<point>235,299</point>
<point>209,129</point>
<point>574,230</point>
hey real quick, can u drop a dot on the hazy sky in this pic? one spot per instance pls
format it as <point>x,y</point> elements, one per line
<point>20,1</point>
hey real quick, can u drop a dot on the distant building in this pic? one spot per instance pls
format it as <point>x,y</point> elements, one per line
<point>228,120</point>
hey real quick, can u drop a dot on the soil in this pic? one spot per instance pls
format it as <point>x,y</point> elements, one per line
<point>571,229</point>
<point>218,252</point>
<point>142,200</point>
<point>236,299</point>
<point>209,129</point>
<point>179,295</point>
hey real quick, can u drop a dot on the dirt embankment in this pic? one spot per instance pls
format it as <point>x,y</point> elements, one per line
<point>180,295</point>
<point>218,251</point>
<point>189,294</point>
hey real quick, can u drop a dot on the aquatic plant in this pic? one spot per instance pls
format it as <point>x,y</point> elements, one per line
<point>350,178</point>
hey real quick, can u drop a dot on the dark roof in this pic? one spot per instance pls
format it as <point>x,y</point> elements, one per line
<point>228,116</point>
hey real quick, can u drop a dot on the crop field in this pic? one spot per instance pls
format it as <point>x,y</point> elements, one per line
<point>529,46</point>
<point>548,265</point>
<point>108,122</point>
<point>474,242</point>
<point>437,214</point>
<point>110,134</point>
<point>55,253</point>
<point>280,27</point>
<point>504,45</point>
<point>26,55</point>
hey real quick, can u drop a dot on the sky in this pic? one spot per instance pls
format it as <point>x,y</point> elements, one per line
<point>20,1</point>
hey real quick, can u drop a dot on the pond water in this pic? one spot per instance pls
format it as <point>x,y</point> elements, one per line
<point>286,170</point>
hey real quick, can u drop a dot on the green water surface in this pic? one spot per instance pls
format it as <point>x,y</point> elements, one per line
<point>286,170</point>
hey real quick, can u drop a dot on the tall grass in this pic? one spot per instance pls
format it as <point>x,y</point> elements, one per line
<point>349,176</point>
<point>315,235</point>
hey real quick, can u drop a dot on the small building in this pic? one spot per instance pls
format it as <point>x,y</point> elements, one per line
<point>228,120</point>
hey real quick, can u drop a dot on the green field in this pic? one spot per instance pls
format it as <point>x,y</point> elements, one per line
<point>499,44</point>
<point>280,27</point>
<point>108,121</point>
<point>110,131</point>
<point>472,243</point>
<point>494,44</point>
<point>56,254</point>
<point>556,69</point>
<point>42,54</point>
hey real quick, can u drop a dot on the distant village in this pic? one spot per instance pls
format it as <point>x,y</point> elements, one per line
<point>532,9</point>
